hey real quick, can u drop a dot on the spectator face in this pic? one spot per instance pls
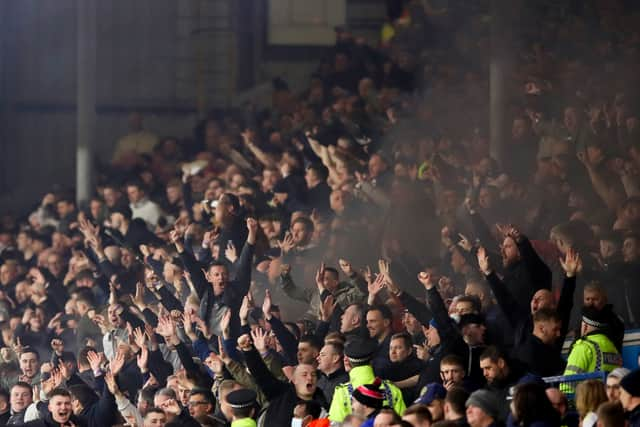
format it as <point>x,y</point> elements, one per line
<point>198,405</point>
<point>337,202</point>
<point>376,324</point>
<point>300,234</point>
<point>630,250</point>
<point>476,417</point>
<point>183,394</point>
<point>20,398</point>
<point>398,351</point>
<point>218,277</point>
<point>541,299</point>
<point>174,194</point>
<point>410,323</point>
<point>307,354</point>
<point>549,331</point>
<point>485,198</point>
<point>23,292</point>
<point>23,242</point>
<point>113,312</point>
<point>613,389</point>
<point>29,364</point>
<point>327,359</point>
<point>608,249</point>
<point>330,281</point>
<point>376,166</point>
<point>111,196</point>
<point>64,208</point>
<point>383,420</point>
<point>433,337</point>
<point>626,400</point>
<point>571,119</point>
<point>474,333</point>
<point>558,400</point>
<point>95,208</point>
<point>594,298</point>
<point>155,419</point>
<point>437,409</point>
<point>510,253</point>
<point>134,193</point>
<point>458,263</point>
<point>492,371</point>
<point>350,319</point>
<point>60,408</point>
<point>451,374</point>
<point>464,307</point>
<point>55,264</point>
<point>8,272</point>
<point>305,380</point>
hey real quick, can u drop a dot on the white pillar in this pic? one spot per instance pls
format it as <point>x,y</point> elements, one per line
<point>86,98</point>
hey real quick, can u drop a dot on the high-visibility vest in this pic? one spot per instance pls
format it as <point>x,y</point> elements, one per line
<point>341,403</point>
<point>593,353</point>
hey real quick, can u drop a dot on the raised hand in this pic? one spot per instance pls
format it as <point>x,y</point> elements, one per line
<point>166,327</point>
<point>445,237</point>
<point>464,243</point>
<point>171,407</point>
<point>383,267</point>
<point>374,288</point>
<point>231,253</point>
<point>327,307</point>
<point>287,244</point>
<point>94,360</point>
<point>116,364</point>
<point>252,227</point>
<point>266,305</point>
<point>140,338</point>
<point>483,261</point>
<point>225,322</point>
<point>215,363</point>
<point>259,337</point>
<point>572,264</point>
<point>223,354</point>
<point>245,307</point>
<point>138,298</point>
<point>320,278</point>
<point>426,280</point>
<point>112,385</point>
<point>143,359</point>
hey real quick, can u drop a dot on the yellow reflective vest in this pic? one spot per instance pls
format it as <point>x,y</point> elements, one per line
<point>593,353</point>
<point>341,402</point>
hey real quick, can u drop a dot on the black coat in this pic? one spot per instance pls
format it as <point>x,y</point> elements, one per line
<point>49,422</point>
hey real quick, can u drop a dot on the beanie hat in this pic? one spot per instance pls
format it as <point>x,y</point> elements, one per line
<point>486,401</point>
<point>594,317</point>
<point>620,373</point>
<point>370,395</point>
<point>631,383</point>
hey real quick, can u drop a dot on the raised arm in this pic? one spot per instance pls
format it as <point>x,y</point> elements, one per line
<point>572,266</point>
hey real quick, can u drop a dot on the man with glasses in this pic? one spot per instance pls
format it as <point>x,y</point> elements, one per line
<point>201,402</point>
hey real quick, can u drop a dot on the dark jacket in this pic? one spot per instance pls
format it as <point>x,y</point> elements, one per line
<point>327,383</point>
<point>634,417</point>
<point>102,413</point>
<point>282,396</point>
<point>48,421</point>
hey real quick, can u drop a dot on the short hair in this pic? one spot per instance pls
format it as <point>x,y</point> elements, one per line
<point>23,384</point>
<point>320,170</point>
<point>84,394</point>
<point>308,224</point>
<point>457,398</point>
<point>4,393</point>
<point>83,355</point>
<point>383,309</point>
<point>452,359</point>
<point>595,286</point>
<point>335,337</point>
<point>311,340</point>
<point>611,414</point>
<point>154,410</point>
<point>546,315</point>
<point>208,396</point>
<point>27,350</point>
<point>146,394</point>
<point>493,353</point>
<point>311,407</point>
<point>474,300</point>
<point>404,336</point>
<point>337,347</point>
<point>244,412</point>
<point>421,412</point>
<point>59,391</point>
<point>167,392</point>
<point>332,270</point>
<point>226,387</point>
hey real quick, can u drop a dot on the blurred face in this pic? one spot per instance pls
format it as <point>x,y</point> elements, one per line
<point>64,208</point>
<point>8,272</point>
<point>155,419</point>
<point>476,417</point>
<point>330,281</point>
<point>311,178</point>
<point>594,298</point>
<point>224,210</point>
<point>485,198</point>
<point>327,359</point>
<point>336,201</point>
<point>305,380</point>
<point>376,324</point>
<point>558,400</point>
<point>350,319</point>
<point>60,408</point>
<point>473,333</point>
<point>608,249</point>
<point>548,331</point>
<point>630,250</point>
<point>464,307</point>
<point>198,406</point>
<point>376,166</point>
<point>458,262</point>
<point>55,264</point>
<point>134,193</point>
<point>433,337</point>
<point>451,374</point>
<point>307,354</point>
<point>174,194</point>
<point>510,252</point>
<point>410,323</point>
<point>398,351</point>
<point>300,234</point>
<point>29,364</point>
<point>23,292</point>
<point>383,420</point>
<point>437,410</point>
<point>519,129</point>
<point>613,389</point>
<point>626,400</point>
<point>571,119</point>
<point>541,299</point>
<point>113,312</point>
<point>20,398</point>
<point>218,277</point>
<point>492,371</point>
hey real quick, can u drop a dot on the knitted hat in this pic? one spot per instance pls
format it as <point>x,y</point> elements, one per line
<point>471,319</point>
<point>594,317</point>
<point>486,401</point>
<point>370,395</point>
<point>631,383</point>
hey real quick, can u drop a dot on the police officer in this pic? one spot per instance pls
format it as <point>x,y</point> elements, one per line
<point>593,351</point>
<point>359,352</point>
<point>243,407</point>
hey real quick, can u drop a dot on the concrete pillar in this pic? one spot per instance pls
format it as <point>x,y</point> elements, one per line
<point>497,77</point>
<point>86,98</point>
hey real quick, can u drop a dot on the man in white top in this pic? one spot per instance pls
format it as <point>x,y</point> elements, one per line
<point>142,207</point>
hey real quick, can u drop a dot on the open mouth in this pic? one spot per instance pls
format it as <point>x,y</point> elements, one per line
<point>310,387</point>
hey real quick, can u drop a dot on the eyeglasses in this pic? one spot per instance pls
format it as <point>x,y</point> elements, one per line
<point>199,402</point>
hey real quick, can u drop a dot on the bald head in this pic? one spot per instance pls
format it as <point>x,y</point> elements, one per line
<point>542,299</point>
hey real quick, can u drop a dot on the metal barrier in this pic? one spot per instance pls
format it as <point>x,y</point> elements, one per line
<point>567,383</point>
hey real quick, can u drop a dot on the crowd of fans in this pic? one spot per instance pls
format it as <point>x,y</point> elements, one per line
<point>353,256</point>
